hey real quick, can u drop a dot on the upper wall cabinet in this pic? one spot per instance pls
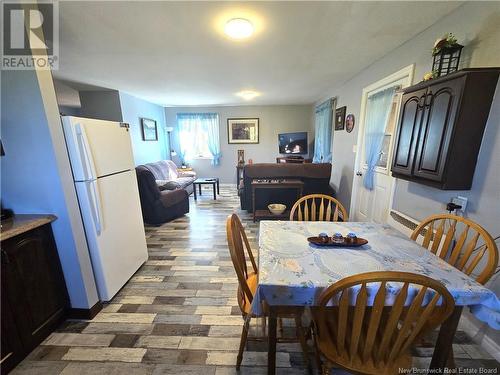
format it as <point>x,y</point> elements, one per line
<point>440,128</point>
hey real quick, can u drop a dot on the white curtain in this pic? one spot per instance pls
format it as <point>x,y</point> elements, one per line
<point>377,113</point>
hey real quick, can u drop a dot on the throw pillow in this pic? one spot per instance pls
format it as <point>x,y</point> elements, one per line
<point>167,185</point>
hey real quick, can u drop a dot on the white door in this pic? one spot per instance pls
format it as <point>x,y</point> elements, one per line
<point>374,205</point>
<point>97,147</point>
<point>111,214</point>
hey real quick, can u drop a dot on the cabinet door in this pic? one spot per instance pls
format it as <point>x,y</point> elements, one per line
<point>39,287</point>
<point>12,346</point>
<point>437,127</point>
<point>410,117</point>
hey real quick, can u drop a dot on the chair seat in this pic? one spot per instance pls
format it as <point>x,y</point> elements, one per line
<point>326,346</point>
<point>245,305</point>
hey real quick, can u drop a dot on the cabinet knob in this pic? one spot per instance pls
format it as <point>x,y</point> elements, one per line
<point>358,173</point>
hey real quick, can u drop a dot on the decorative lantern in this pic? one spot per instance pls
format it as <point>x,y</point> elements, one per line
<point>446,60</point>
<point>446,53</point>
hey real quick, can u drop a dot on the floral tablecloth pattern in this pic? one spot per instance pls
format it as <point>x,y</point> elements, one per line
<point>294,272</point>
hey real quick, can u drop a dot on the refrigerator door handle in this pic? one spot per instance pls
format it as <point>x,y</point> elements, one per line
<point>95,204</point>
<point>86,154</point>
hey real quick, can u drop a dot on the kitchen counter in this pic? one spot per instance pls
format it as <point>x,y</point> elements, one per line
<point>22,223</point>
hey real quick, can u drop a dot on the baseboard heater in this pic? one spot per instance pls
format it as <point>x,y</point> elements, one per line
<point>403,223</point>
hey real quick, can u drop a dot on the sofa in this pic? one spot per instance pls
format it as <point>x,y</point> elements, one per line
<point>163,192</point>
<point>159,206</point>
<point>316,178</point>
<point>168,177</point>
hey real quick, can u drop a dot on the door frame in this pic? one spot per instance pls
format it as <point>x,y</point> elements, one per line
<point>406,74</point>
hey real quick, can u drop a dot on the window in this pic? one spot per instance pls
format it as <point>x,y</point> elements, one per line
<point>388,132</point>
<point>199,136</point>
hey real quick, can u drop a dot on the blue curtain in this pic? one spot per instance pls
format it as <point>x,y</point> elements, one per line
<point>199,132</point>
<point>211,126</point>
<point>377,113</point>
<point>323,133</point>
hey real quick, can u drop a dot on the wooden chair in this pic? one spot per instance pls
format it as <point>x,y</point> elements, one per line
<point>438,233</point>
<point>376,339</point>
<point>318,207</point>
<point>248,281</point>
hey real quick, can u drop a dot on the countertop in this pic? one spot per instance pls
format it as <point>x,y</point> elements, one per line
<point>22,223</point>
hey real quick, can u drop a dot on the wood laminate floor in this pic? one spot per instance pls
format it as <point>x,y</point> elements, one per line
<point>179,315</point>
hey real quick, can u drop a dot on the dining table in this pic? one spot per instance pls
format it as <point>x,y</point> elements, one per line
<point>293,272</point>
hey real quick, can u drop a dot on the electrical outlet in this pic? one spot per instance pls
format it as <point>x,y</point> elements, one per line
<point>461,201</point>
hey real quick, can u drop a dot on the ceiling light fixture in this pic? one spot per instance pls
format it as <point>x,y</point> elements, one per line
<point>238,28</point>
<point>248,94</point>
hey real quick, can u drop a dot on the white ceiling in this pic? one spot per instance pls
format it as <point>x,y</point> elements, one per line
<point>174,53</point>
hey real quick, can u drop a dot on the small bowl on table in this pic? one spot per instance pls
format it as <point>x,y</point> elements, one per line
<point>276,208</point>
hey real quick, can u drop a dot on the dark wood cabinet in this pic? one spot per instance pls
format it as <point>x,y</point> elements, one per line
<point>12,346</point>
<point>440,128</point>
<point>407,133</point>
<point>34,296</point>
<point>439,114</point>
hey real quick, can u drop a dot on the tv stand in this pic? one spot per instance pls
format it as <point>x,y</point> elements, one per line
<point>292,159</point>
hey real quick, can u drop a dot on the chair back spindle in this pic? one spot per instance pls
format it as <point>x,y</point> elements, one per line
<point>237,243</point>
<point>464,245</point>
<point>318,207</point>
<point>376,338</point>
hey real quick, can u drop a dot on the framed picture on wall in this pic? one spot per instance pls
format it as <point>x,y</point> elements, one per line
<point>340,118</point>
<point>349,123</point>
<point>149,129</point>
<point>243,130</point>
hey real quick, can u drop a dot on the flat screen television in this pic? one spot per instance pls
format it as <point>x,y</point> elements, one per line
<point>293,143</point>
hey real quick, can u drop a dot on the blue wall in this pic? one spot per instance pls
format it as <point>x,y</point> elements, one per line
<point>132,110</point>
<point>30,176</point>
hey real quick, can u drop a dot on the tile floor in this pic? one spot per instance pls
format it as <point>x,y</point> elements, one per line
<point>178,314</point>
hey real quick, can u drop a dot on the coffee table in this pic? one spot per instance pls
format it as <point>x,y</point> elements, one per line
<point>214,181</point>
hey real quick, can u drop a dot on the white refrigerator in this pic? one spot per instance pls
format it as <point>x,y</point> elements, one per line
<point>104,174</point>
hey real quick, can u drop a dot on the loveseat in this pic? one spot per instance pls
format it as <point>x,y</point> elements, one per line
<point>168,177</point>
<point>316,178</point>
<point>164,193</point>
<point>159,206</point>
